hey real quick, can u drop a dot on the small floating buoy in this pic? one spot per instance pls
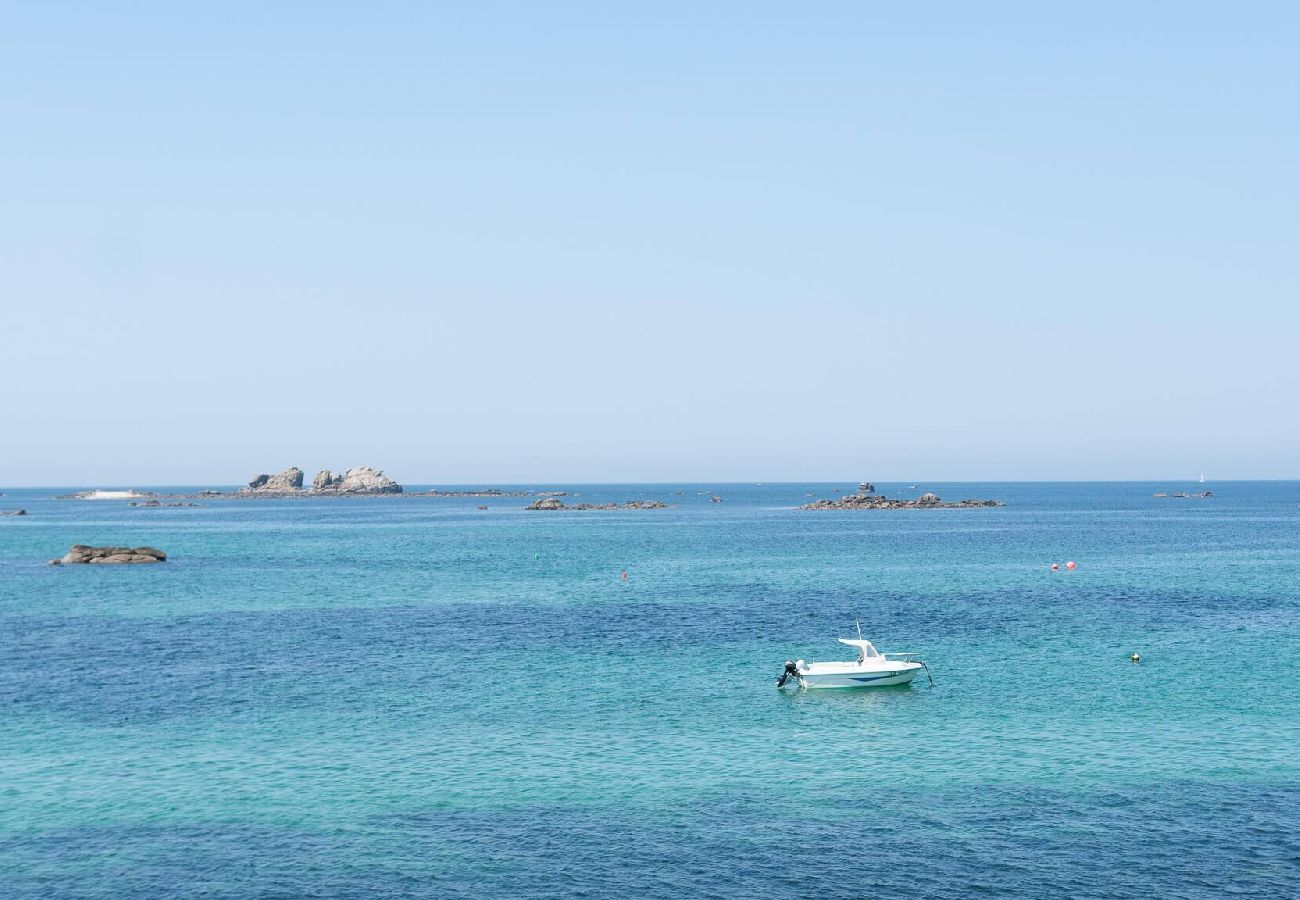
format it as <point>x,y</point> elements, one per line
<point>1136,657</point>
<point>1056,567</point>
<point>624,576</point>
<point>1071,566</point>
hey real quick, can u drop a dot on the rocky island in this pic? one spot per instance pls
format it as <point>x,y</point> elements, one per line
<point>357,480</point>
<point>82,554</point>
<point>866,500</point>
<point>551,503</point>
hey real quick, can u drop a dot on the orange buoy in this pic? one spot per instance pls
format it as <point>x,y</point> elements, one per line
<point>1070,565</point>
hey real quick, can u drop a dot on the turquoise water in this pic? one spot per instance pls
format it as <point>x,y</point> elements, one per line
<point>409,697</point>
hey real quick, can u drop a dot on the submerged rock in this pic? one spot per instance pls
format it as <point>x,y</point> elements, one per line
<point>83,554</point>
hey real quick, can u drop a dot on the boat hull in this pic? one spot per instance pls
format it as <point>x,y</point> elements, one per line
<point>857,679</point>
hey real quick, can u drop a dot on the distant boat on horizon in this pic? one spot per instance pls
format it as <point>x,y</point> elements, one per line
<point>1202,478</point>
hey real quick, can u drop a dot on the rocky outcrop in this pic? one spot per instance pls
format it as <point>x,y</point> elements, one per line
<point>357,480</point>
<point>876,501</point>
<point>552,503</point>
<point>13,512</point>
<point>81,554</point>
<point>282,483</point>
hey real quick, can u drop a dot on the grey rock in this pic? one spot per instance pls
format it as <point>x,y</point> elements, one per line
<point>552,503</point>
<point>83,554</point>
<point>877,501</point>
<point>285,482</point>
<point>363,480</point>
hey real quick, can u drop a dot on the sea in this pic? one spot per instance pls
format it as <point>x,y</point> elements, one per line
<point>413,697</point>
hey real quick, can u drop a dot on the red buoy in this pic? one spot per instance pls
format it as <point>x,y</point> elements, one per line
<point>1071,565</point>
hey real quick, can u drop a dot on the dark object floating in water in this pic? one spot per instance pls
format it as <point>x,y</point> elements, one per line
<point>12,512</point>
<point>1180,495</point>
<point>83,554</point>
<point>877,501</point>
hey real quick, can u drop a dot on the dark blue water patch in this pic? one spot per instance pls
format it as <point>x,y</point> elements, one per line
<point>1175,839</point>
<point>111,670</point>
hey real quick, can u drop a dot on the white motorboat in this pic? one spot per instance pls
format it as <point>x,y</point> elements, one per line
<point>871,669</point>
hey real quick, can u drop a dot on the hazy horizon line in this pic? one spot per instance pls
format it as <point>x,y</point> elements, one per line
<point>106,485</point>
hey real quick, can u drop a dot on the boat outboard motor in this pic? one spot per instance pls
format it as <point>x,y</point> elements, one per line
<point>791,671</point>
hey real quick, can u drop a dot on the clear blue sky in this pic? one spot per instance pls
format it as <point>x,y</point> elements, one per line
<point>558,242</point>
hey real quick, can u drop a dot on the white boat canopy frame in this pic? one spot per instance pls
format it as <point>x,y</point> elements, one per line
<point>866,650</point>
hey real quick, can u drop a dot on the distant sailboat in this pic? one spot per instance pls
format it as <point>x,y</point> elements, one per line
<point>1202,478</point>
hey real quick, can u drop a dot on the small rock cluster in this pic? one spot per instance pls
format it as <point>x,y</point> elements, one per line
<point>863,500</point>
<point>82,554</point>
<point>553,503</point>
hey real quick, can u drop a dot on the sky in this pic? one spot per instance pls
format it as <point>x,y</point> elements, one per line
<point>585,242</point>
